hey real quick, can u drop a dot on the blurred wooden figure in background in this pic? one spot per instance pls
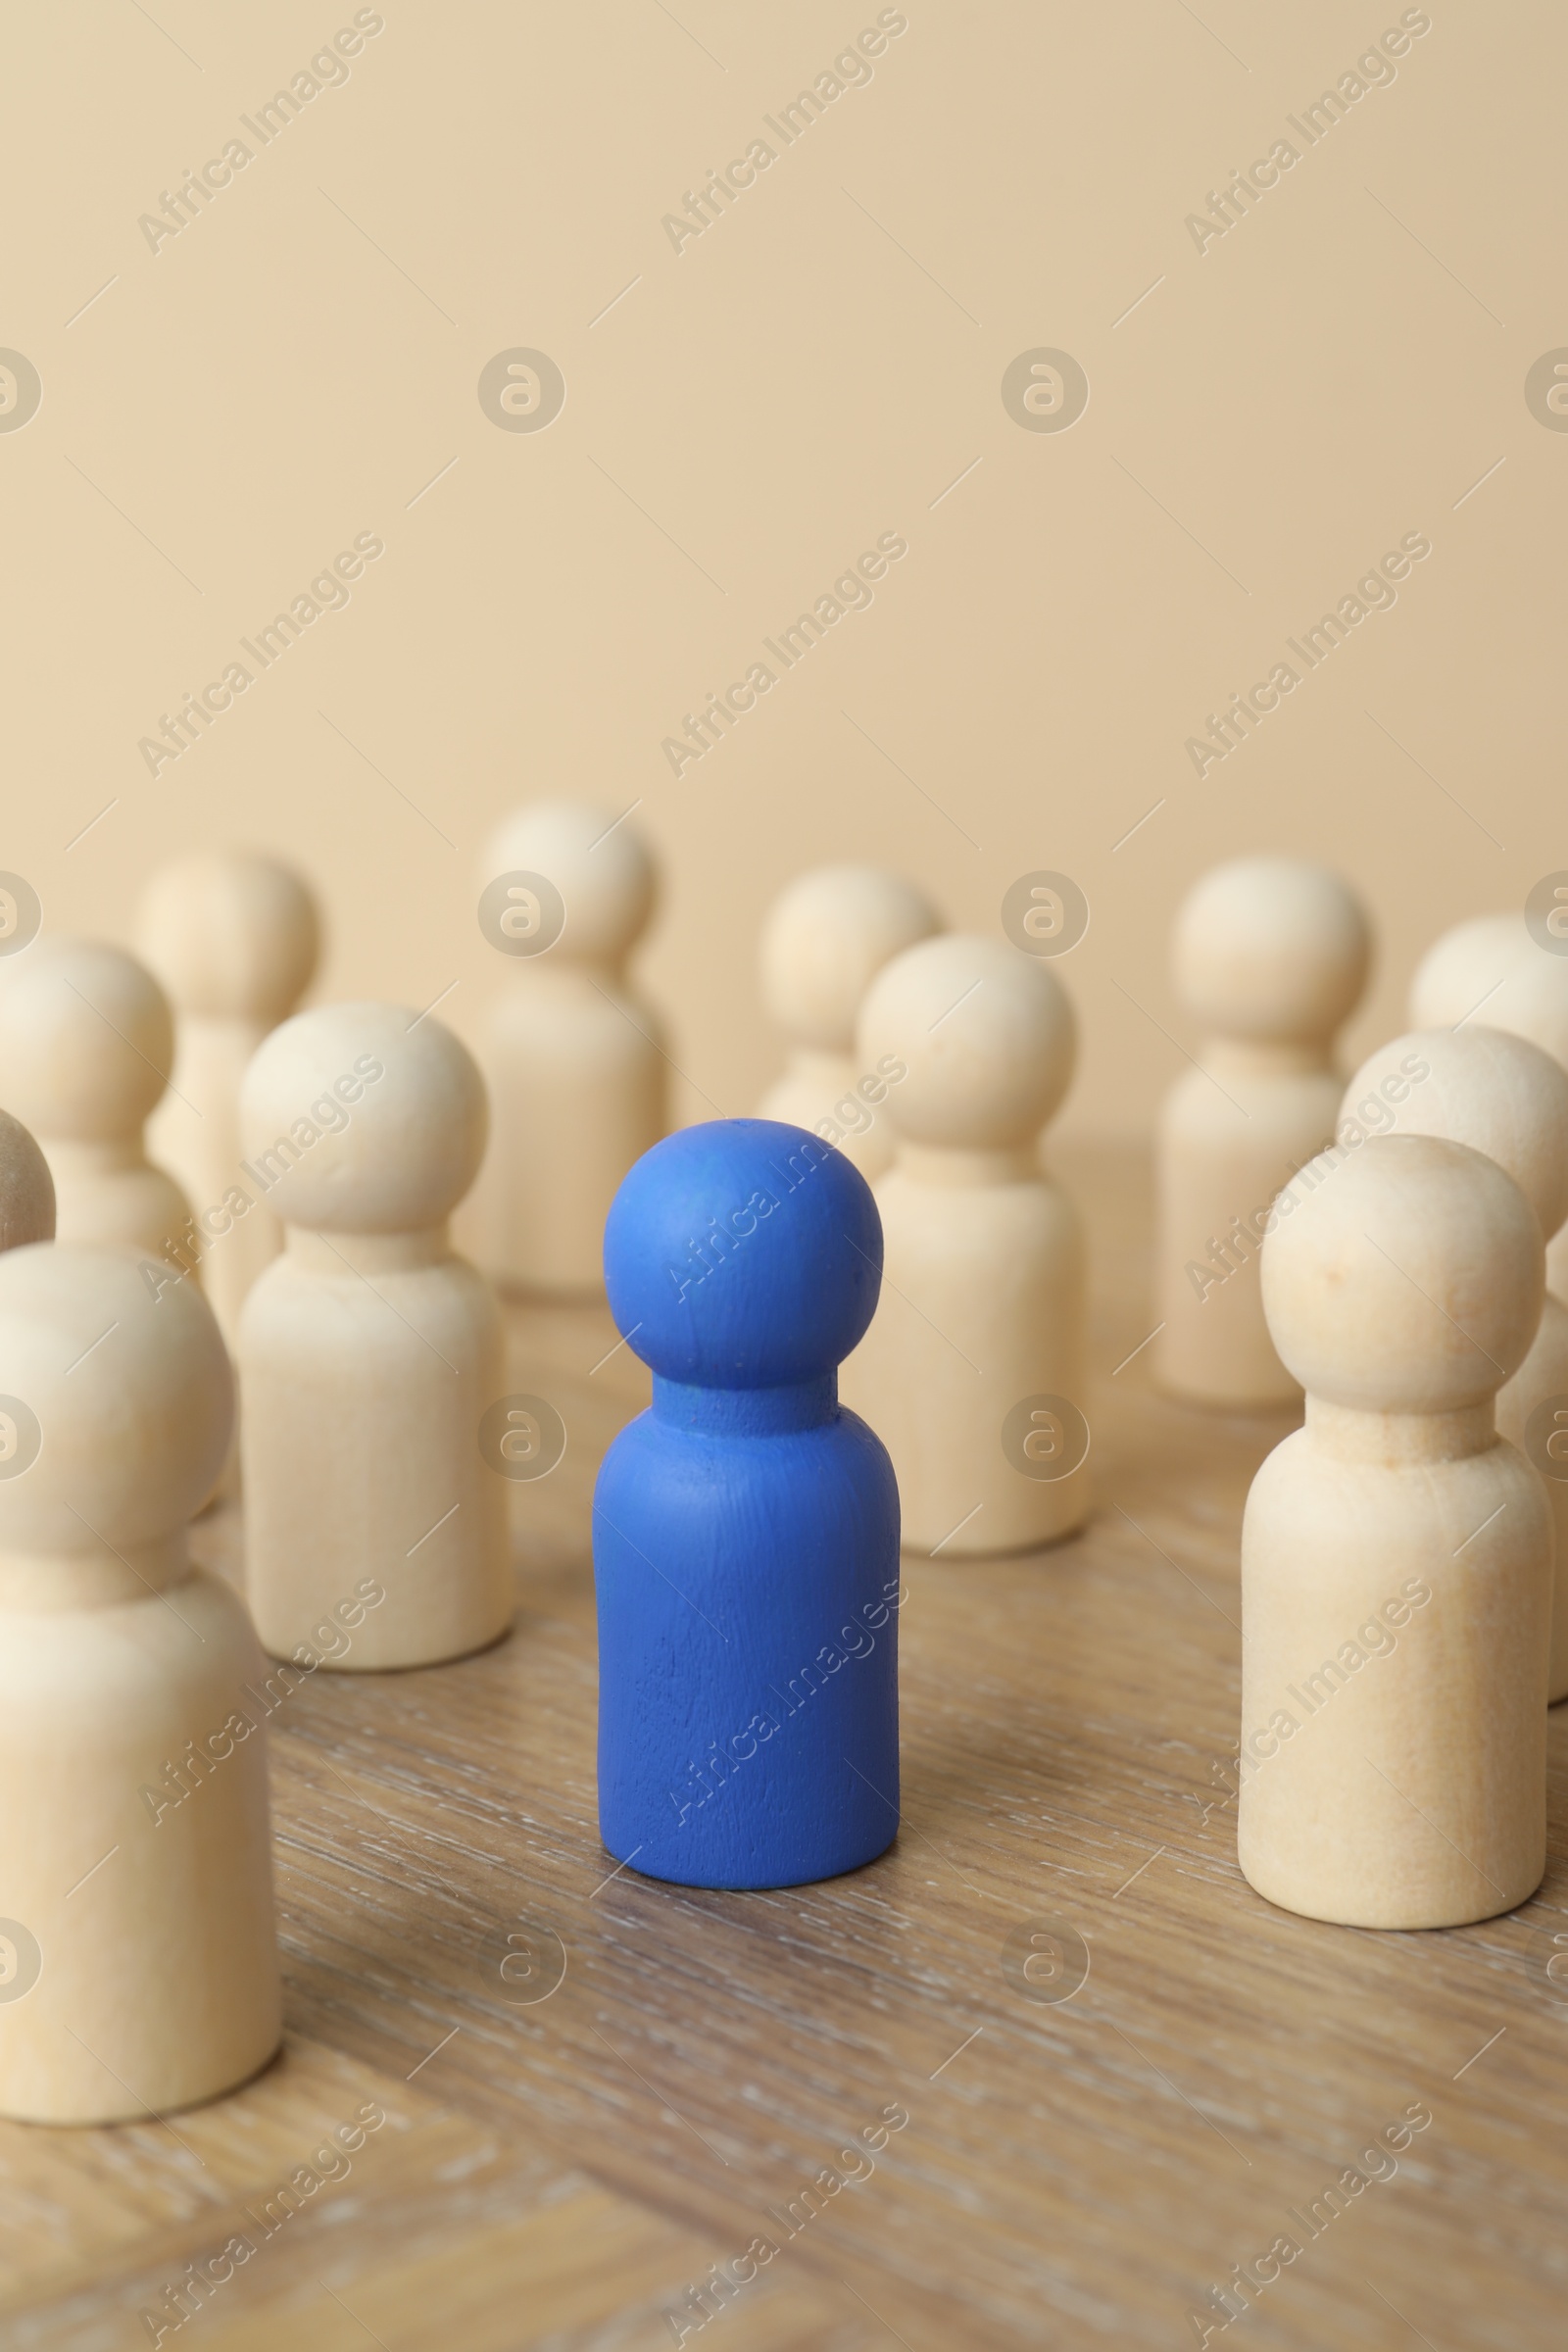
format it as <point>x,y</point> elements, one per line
<point>1497,970</point>
<point>572,1054</point>
<point>825,939</point>
<point>86,1042</point>
<point>234,940</point>
<point>1270,958</point>
<point>973,1372</point>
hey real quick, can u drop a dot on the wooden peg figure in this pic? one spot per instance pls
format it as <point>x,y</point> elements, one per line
<point>1270,958</point>
<point>140,1955</point>
<point>1490,972</point>
<point>972,1373</point>
<point>746,1528</point>
<point>86,1042</point>
<point>1396,1552</point>
<point>1505,1097</point>
<point>233,938</point>
<point>826,937</point>
<point>573,1053</point>
<point>369,1352</point>
<point>26,1188</point>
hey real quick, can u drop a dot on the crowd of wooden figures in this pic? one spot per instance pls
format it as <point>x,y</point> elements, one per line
<point>863,1313</point>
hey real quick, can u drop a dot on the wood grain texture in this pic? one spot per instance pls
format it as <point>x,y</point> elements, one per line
<point>1069,2174</point>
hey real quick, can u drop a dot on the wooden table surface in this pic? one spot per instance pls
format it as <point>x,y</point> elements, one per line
<point>565,2172</point>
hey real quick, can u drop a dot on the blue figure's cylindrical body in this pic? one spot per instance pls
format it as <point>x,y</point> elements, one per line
<point>746,1528</point>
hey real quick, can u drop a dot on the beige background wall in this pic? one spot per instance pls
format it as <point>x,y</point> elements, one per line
<point>816,369</point>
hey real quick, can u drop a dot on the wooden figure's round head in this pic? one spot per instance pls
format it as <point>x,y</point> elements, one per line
<point>825,939</point>
<point>116,1400</point>
<point>1271,950</point>
<point>743,1253</point>
<point>86,1041</point>
<point>1490,970</point>
<point>26,1188</point>
<point>986,1037</point>
<point>1483,1087</point>
<point>231,935</point>
<point>1403,1277</point>
<point>599,868</point>
<point>367,1118</point>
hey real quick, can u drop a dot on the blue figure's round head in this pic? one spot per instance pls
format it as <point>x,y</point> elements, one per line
<point>743,1254</point>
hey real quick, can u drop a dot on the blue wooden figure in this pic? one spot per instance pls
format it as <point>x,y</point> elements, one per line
<point>746,1528</point>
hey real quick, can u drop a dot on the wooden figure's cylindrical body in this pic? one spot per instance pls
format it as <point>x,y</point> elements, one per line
<point>1523,1405</point>
<point>369,1352</point>
<point>1230,1135</point>
<point>982,1308</point>
<point>712,1772</point>
<point>572,1055</point>
<point>578,1091</point>
<point>1395,1610</point>
<point>746,1528</point>
<point>139,1961</point>
<point>236,1234</point>
<point>138,1858</point>
<point>1269,955</point>
<point>1396,1554</point>
<point>366,1364</point>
